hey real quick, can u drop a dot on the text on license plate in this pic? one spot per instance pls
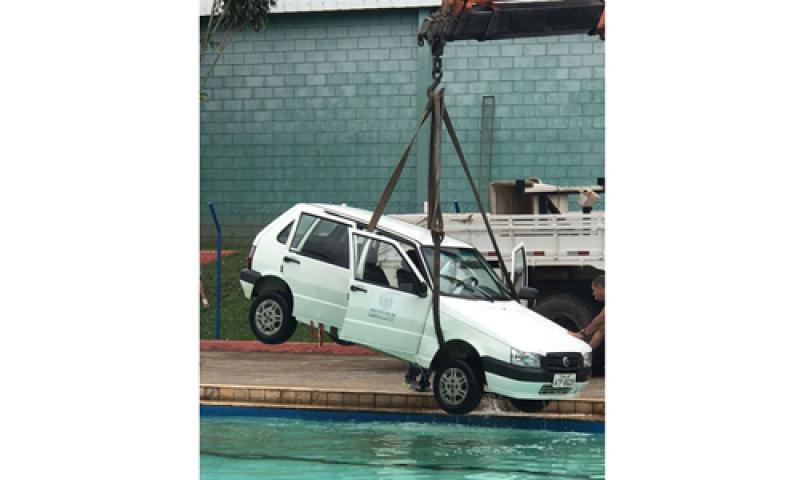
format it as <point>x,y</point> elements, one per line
<point>561,380</point>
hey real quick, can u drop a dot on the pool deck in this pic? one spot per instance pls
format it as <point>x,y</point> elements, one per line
<point>329,379</point>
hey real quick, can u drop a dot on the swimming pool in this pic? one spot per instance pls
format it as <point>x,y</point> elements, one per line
<point>233,448</point>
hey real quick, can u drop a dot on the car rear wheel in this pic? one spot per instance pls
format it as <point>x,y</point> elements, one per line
<point>456,387</point>
<point>270,319</point>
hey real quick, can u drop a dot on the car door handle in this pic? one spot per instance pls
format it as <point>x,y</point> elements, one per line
<point>290,259</point>
<point>354,288</point>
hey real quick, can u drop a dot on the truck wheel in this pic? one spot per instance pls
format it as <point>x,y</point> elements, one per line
<point>334,334</point>
<point>456,387</point>
<point>528,406</point>
<point>569,311</point>
<point>270,319</point>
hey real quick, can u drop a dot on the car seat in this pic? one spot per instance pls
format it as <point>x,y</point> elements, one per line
<point>406,279</point>
<point>372,272</point>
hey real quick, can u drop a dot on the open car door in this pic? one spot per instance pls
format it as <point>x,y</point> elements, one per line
<point>519,268</point>
<point>388,302</point>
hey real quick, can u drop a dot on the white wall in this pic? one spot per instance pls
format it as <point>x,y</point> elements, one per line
<point>289,6</point>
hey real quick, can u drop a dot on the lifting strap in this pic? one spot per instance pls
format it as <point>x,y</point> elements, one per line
<point>387,191</point>
<point>435,223</point>
<point>452,132</point>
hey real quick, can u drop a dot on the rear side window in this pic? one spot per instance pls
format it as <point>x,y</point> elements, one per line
<point>284,235</point>
<point>322,240</point>
<point>306,221</point>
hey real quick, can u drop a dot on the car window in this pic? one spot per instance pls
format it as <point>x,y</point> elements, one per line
<point>302,231</point>
<point>284,235</point>
<point>411,252</point>
<point>322,239</point>
<point>464,273</point>
<point>381,263</point>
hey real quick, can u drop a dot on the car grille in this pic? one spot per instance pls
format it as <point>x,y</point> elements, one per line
<point>555,362</point>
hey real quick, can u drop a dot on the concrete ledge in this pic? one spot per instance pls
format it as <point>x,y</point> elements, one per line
<point>391,402</point>
<point>288,347</point>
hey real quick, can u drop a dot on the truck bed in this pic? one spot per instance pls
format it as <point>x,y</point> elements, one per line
<point>569,239</point>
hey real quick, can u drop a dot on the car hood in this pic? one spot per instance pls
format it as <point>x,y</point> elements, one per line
<point>513,324</point>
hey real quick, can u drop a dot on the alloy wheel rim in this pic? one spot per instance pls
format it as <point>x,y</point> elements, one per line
<point>269,317</point>
<point>453,386</point>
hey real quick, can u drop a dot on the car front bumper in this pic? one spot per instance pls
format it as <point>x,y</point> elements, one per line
<point>530,383</point>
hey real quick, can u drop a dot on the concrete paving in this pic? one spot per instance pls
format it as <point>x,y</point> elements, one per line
<point>312,370</point>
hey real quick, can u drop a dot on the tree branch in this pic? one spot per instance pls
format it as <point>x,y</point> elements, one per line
<point>216,59</point>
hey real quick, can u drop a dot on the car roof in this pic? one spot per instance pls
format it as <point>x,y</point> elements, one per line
<point>389,224</point>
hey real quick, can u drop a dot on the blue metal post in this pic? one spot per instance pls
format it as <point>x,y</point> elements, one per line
<point>219,260</point>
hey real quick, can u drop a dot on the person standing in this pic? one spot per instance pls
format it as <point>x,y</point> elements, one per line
<point>203,299</point>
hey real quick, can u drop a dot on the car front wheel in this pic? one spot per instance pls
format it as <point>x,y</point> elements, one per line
<point>456,387</point>
<point>270,319</point>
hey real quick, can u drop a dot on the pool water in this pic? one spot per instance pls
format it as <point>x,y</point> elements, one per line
<point>285,448</point>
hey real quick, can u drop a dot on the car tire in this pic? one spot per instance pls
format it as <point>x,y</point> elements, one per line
<point>528,406</point>
<point>456,387</point>
<point>270,319</point>
<point>569,311</point>
<point>334,334</point>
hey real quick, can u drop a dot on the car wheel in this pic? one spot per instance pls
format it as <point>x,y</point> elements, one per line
<point>528,406</point>
<point>456,387</point>
<point>334,334</point>
<point>270,319</point>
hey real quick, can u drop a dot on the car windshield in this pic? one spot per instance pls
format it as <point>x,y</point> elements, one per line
<point>465,274</point>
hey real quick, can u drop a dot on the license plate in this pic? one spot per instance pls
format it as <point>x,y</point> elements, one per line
<point>562,380</point>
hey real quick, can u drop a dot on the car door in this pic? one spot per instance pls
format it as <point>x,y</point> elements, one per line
<point>519,268</point>
<point>317,268</point>
<point>389,302</point>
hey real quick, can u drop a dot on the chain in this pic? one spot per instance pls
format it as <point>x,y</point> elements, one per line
<point>437,49</point>
<point>437,69</point>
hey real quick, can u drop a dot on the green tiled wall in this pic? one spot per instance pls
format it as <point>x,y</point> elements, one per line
<point>318,108</point>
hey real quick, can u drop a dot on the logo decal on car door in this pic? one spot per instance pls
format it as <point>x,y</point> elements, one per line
<point>385,302</point>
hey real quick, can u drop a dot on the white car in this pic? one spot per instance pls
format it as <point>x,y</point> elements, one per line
<point>317,263</point>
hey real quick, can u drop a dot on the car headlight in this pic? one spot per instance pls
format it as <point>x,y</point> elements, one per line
<point>525,359</point>
<point>587,359</point>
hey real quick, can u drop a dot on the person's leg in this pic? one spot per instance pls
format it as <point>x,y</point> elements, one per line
<point>203,299</point>
<point>424,379</point>
<point>597,338</point>
<point>411,374</point>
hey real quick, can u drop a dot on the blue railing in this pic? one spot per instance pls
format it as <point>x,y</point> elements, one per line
<point>219,266</point>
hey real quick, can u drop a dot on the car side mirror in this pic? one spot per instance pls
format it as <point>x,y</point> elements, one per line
<point>420,289</point>
<point>528,293</point>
